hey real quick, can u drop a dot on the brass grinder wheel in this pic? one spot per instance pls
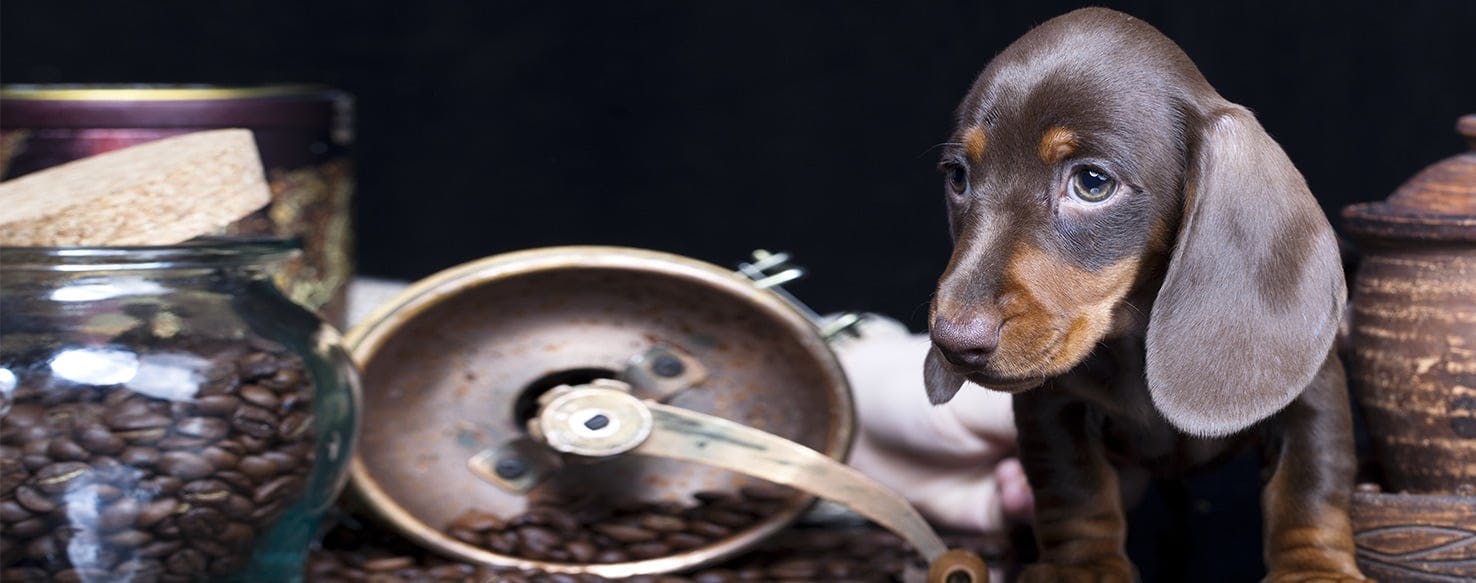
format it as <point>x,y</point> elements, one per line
<point>612,374</point>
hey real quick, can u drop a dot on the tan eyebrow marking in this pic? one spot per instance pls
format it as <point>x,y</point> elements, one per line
<point>1056,144</point>
<point>974,142</point>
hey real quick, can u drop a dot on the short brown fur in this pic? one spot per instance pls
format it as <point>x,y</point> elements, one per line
<point>1056,144</point>
<point>1188,314</point>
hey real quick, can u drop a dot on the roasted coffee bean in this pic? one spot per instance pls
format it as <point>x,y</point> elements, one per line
<point>161,485</point>
<point>205,493</point>
<point>153,512</point>
<point>135,416</point>
<point>118,515</point>
<point>27,528</point>
<point>98,439</point>
<point>220,457</point>
<point>254,421</point>
<point>158,549</point>
<point>661,523</point>
<point>612,556</point>
<point>727,518</point>
<point>186,562</point>
<point>128,538</point>
<point>284,378</point>
<point>277,489</point>
<point>539,539</point>
<point>260,396</point>
<point>12,511</point>
<point>208,428</point>
<point>33,500</point>
<point>217,405</point>
<point>208,545</point>
<point>201,522</point>
<point>582,552</point>
<point>185,442</point>
<point>63,449</point>
<point>295,425</point>
<point>54,478</point>
<point>477,521</point>
<point>709,530</point>
<point>236,480</point>
<point>256,365</point>
<point>388,564</point>
<point>238,507</point>
<point>143,457</point>
<point>682,541</point>
<point>625,534</point>
<point>467,536</point>
<point>185,465</point>
<point>648,550</point>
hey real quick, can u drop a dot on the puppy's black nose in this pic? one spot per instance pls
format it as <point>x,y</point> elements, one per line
<point>967,341</point>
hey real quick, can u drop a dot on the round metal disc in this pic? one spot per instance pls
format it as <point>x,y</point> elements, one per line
<point>452,365</point>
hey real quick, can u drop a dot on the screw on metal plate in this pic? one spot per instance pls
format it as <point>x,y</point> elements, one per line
<point>662,371</point>
<point>515,466</point>
<point>772,270</point>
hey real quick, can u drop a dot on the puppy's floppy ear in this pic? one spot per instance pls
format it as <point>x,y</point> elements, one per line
<point>942,382</point>
<point>1254,289</point>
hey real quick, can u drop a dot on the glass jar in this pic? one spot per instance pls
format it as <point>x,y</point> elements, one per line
<point>166,414</point>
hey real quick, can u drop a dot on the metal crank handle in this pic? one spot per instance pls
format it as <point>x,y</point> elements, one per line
<point>687,435</point>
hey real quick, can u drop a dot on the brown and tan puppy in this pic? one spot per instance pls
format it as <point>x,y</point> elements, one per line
<point>1140,263</point>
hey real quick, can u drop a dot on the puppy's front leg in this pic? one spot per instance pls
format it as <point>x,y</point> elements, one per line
<point>1308,534</point>
<point>1079,523</point>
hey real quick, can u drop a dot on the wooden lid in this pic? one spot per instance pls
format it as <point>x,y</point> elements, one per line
<point>1438,203</point>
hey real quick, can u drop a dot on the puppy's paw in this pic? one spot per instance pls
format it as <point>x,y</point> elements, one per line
<point>1113,571</point>
<point>1314,577</point>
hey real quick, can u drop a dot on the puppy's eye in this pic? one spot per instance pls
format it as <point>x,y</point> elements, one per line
<point>958,178</point>
<point>1092,185</point>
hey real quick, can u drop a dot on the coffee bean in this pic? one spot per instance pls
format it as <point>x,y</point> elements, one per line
<point>663,523</point>
<point>178,442</point>
<point>119,515</point>
<point>185,465</point>
<point>581,551</point>
<point>27,528</point>
<point>277,489</point>
<point>682,541</point>
<point>467,536</point>
<point>12,511</point>
<point>208,428</point>
<point>238,507</point>
<point>153,512</point>
<point>539,539</point>
<point>136,419</point>
<point>186,562</point>
<point>209,546</point>
<point>709,530</point>
<point>201,522</point>
<point>205,493</point>
<point>795,569</point>
<point>625,534</point>
<point>612,556</point>
<point>648,550</point>
<point>260,396</point>
<point>475,521</point>
<point>284,378</point>
<point>43,548</point>
<point>388,564</point>
<point>220,457</point>
<point>159,548</point>
<point>236,480</point>
<point>54,478</point>
<point>256,365</point>
<point>33,500</point>
<point>254,421</point>
<point>139,456</point>
<point>128,538</point>
<point>139,570</point>
<point>236,536</point>
<point>217,405</point>
<point>295,425</point>
<point>99,440</point>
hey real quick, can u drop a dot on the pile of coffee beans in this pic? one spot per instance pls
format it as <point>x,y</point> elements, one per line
<point>600,534</point>
<point>103,482</point>
<point>853,553</point>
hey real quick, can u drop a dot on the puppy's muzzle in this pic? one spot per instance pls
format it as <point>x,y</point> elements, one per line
<point>967,342</point>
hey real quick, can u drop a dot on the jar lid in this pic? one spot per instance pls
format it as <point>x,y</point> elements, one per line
<point>170,105</point>
<point>1438,203</point>
<point>452,366</point>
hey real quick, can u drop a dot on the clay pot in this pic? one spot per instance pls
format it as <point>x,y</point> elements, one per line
<point>1414,325</point>
<point>1415,537</point>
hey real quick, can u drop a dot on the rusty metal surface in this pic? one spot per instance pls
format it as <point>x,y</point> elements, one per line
<point>445,365</point>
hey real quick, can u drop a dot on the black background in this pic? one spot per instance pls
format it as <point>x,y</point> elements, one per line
<point>710,128</point>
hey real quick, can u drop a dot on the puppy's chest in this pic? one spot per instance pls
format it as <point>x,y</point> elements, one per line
<point>1113,387</point>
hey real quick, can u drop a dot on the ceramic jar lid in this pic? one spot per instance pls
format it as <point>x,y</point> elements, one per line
<point>1438,203</point>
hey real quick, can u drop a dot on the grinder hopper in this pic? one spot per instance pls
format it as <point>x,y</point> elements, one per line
<point>613,374</point>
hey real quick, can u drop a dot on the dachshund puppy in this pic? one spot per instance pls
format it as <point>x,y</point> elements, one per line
<point>1142,266</point>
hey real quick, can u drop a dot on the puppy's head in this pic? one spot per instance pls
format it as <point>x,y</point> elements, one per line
<point>1092,164</point>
